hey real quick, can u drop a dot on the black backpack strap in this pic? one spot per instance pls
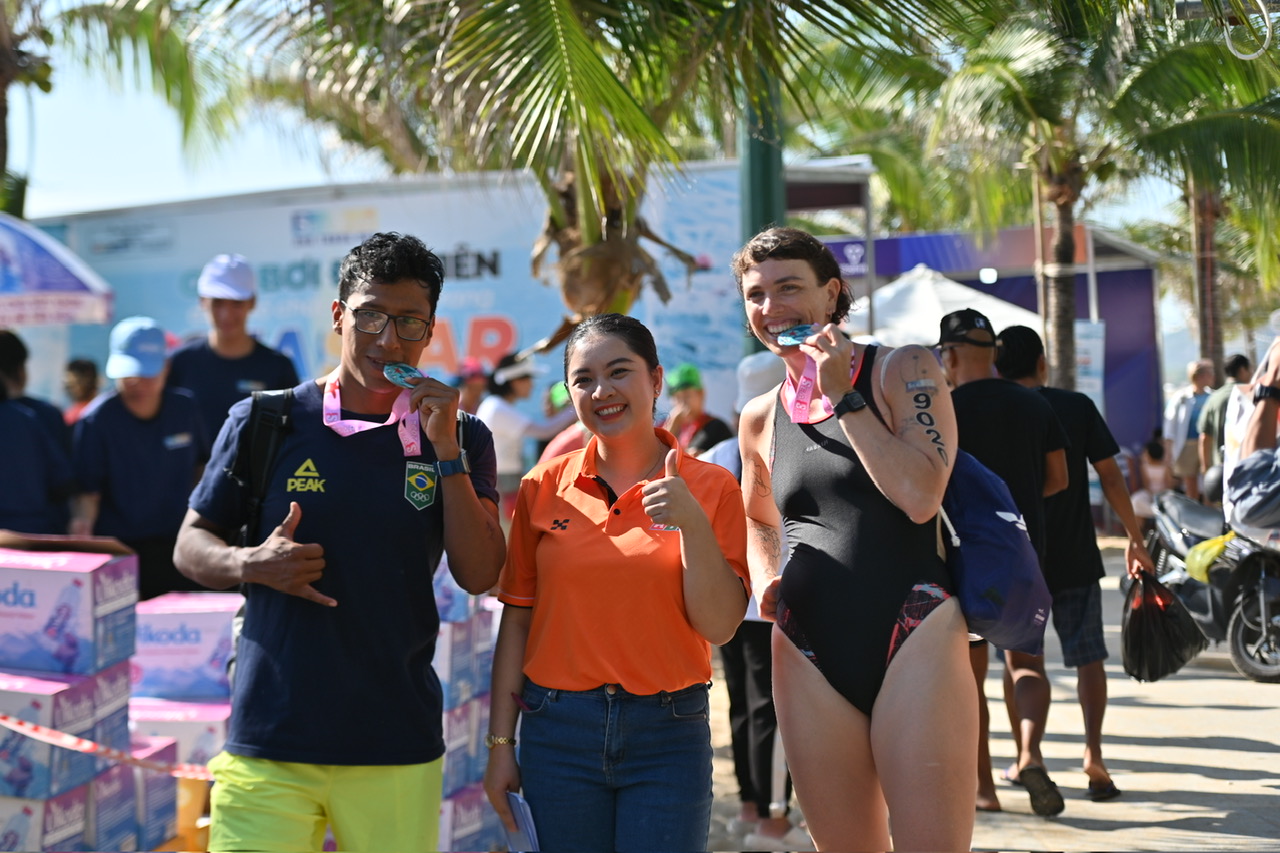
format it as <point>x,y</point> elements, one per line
<point>268,422</point>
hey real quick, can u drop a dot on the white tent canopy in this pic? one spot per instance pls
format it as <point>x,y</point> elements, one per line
<point>909,309</point>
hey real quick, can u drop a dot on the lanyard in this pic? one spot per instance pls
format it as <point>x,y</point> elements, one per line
<point>406,419</point>
<point>797,397</point>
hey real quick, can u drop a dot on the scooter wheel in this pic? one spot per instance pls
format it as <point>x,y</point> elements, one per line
<point>1255,653</point>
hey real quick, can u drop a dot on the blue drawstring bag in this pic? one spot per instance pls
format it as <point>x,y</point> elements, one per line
<point>991,559</point>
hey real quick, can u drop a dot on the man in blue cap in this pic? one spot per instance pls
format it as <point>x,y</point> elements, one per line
<point>228,364</point>
<point>138,450</point>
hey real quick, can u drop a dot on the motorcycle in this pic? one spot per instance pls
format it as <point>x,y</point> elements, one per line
<point>1239,602</point>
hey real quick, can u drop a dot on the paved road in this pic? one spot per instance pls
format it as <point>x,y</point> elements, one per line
<point>1197,756</point>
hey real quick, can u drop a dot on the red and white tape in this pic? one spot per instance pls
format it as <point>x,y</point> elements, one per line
<point>79,744</point>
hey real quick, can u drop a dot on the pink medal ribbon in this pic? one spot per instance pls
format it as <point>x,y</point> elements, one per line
<point>408,423</point>
<point>798,400</point>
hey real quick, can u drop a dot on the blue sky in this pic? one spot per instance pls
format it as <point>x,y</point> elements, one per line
<point>97,147</point>
<point>89,145</point>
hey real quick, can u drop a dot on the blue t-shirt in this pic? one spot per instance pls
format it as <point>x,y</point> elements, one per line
<point>50,417</point>
<point>143,470</point>
<point>218,383</point>
<point>37,474</point>
<point>1193,422</point>
<point>350,684</point>
<point>56,427</point>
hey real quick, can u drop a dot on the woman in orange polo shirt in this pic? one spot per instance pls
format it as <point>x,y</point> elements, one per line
<point>626,560</point>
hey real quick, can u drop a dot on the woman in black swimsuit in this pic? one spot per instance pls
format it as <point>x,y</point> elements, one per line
<point>851,455</point>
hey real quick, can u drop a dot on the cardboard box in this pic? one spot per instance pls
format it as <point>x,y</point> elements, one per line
<point>453,663</point>
<point>484,634</point>
<point>460,736</point>
<point>113,811</point>
<point>111,710</point>
<point>462,825</point>
<point>453,602</point>
<point>200,728</point>
<point>53,824</point>
<point>183,643</point>
<point>28,767</point>
<point>480,724</point>
<point>66,612</point>
<point>156,793</point>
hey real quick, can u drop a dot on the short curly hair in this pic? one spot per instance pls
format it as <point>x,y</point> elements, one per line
<point>788,244</point>
<point>387,258</point>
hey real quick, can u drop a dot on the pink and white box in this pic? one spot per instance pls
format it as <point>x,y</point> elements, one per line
<point>28,767</point>
<point>157,793</point>
<point>113,810</point>
<point>200,728</point>
<point>183,642</point>
<point>111,709</point>
<point>54,824</point>
<point>66,612</point>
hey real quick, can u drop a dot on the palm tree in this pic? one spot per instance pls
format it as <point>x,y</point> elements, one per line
<point>1225,150</point>
<point>1092,93</point>
<point>592,98</point>
<point>156,37</point>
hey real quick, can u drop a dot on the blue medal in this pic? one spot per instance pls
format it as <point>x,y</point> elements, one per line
<point>791,337</point>
<point>400,373</point>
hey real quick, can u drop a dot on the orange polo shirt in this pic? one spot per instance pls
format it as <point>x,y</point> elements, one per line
<point>605,583</point>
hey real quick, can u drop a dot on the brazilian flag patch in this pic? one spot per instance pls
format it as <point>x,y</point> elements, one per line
<point>420,484</point>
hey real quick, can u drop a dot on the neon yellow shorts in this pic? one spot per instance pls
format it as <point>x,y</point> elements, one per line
<point>276,805</point>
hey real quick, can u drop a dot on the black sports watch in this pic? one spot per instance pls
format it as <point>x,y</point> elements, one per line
<point>454,466</point>
<point>851,402</point>
<point>1265,392</point>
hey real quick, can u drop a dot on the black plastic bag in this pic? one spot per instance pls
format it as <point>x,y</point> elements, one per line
<point>1157,634</point>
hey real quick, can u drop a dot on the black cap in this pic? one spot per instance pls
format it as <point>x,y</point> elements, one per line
<point>957,325</point>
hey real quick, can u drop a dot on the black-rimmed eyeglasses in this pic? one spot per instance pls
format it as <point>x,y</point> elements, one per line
<point>373,322</point>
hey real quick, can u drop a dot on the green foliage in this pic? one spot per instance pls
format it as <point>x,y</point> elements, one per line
<point>160,39</point>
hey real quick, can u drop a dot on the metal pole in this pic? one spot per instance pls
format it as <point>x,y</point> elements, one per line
<point>761,184</point>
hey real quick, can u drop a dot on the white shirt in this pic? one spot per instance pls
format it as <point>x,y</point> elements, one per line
<point>510,427</point>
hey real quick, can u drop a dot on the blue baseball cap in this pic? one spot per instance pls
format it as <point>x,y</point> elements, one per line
<point>137,349</point>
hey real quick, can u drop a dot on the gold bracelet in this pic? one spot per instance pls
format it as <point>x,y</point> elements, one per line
<point>494,740</point>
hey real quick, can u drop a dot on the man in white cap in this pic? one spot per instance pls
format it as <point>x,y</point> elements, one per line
<point>138,450</point>
<point>228,364</point>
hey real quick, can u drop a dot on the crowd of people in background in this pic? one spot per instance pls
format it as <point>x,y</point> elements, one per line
<point>802,539</point>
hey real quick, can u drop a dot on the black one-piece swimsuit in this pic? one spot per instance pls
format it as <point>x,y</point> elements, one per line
<point>862,575</point>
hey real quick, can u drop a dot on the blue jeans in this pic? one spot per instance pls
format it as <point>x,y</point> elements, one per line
<point>604,769</point>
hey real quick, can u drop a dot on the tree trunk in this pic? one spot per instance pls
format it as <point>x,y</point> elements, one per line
<point>1060,299</point>
<point>1206,207</point>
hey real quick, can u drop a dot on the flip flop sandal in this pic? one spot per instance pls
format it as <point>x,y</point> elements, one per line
<point>1012,780</point>
<point>1045,799</point>
<point>1101,793</point>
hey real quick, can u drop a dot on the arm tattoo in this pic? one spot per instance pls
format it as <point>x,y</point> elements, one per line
<point>923,402</point>
<point>759,483</point>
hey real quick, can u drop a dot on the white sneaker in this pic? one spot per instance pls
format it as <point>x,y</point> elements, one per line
<point>740,826</point>
<point>795,839</point>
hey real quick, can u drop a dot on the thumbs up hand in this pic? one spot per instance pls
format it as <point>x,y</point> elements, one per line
<point>668,500</point>
<point>286,565</point>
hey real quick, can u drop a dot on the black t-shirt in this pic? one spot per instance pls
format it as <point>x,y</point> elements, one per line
<point>1071,557</point>
<point>218,383</point>
<point>1009,429</point>
<point>709,435</point>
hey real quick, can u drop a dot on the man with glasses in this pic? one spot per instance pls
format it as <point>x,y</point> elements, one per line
<point>227,364</point>
<point>1014,432</point>
<point>336,713</point>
